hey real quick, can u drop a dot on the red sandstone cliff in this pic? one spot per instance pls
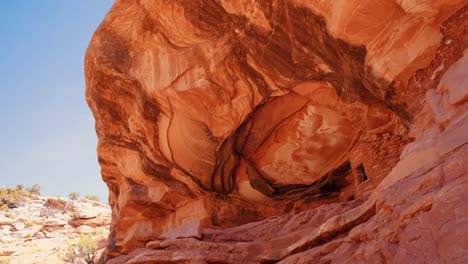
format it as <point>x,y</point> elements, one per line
<point>342,123</point>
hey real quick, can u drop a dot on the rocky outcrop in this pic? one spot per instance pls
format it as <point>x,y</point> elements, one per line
<point>42,229</point>
<point>290,131</point>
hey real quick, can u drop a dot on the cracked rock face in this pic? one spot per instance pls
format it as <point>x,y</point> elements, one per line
<point>213,115</point>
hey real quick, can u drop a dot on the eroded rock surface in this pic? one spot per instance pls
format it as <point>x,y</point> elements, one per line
<point>342,123</point>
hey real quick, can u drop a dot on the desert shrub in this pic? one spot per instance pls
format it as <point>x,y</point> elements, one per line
<point>82,252</point>
<point>74,196</point>
<point>93,197</point>
<point>12,197</point>
<point>3,199</point>
<point>47,212</point>
<point>35,189</point>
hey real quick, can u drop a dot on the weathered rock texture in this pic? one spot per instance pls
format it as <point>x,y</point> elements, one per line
<point>345,120</point>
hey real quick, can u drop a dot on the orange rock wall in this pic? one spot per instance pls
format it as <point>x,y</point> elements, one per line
<point>213,116</point>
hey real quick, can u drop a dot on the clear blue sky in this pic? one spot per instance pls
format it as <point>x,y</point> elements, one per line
<point>46,129</point>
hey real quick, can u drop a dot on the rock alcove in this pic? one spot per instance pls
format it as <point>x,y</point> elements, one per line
<point>219,119</point>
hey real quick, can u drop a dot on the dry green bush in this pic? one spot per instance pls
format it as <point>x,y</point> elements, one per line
<point>82,252</point>
<point>74,196</point>
<point>13,197</point>
<point>47,212</point>
<point>35,189</point>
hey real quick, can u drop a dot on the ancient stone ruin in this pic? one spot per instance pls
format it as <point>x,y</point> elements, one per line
<point>290,131</point>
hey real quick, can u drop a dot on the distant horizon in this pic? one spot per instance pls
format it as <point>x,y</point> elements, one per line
<point>81,195</point>
<point>47,128</point>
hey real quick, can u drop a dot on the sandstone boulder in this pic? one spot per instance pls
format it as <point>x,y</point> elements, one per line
<point>100,220</point>
<point>53,225</point>
<point>5,220</point>
<point>84,229</point>
<point>39,234</point>
<point>56,203</point>
<point>5,253</point>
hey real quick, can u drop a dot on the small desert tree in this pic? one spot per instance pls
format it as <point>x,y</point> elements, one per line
<point>92,197</point>
<point>35,189</point>
<point>74,196</point>
<point>82,252</point>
